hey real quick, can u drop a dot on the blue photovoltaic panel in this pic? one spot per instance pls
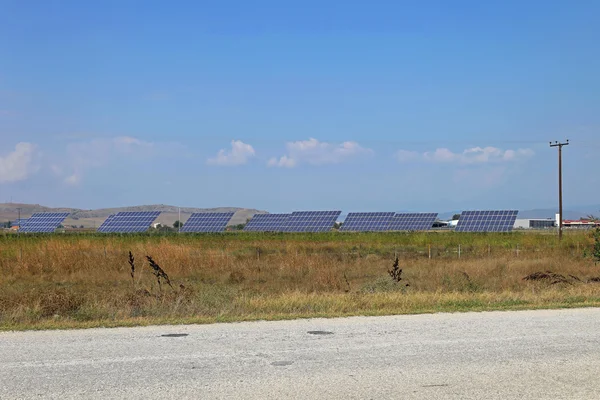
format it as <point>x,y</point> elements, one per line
<point>19,222</point>
<point>367,221</point>
<point>311,221</point>
<point>207,222</point>
<point>105,223</point>
<point>412,221</point>
<point>487,221</point>
<point>129,222</point>
<point>267,223</point>
<point>43,222</point>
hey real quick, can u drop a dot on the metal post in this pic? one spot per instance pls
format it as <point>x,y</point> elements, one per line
<point>19,235</point>
<point>560,199</point>
<point>179,220</point>
<point>560,202</point>
<point>19,224</point>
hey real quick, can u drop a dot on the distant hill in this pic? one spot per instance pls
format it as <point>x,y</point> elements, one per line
<point>93,218</point>
<point>28,209</point>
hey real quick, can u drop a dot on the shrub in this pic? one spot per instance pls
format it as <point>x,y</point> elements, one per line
<point>596,249</point>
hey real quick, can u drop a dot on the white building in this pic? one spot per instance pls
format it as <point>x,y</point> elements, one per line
<point>534,223</point>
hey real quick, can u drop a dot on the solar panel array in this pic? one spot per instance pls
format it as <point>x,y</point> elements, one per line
<point>43,222</point>
<point>486,221</point>
<point>311,221</point>
<point>267,223</point>
<point>105,223</point>
<point>412,221</point>
<point>207,222</point>
<point>367,221</point>
<point>299,221</point>
<point>129,222</point>
<point>19,222</point>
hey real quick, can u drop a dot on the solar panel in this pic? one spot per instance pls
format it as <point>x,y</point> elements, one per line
<point>43,222</point>
<point>311,221</point>
<point>105,223</point>
<point>19,222</point>
<point>412,221</point>
<point>487,221</point>
<point>129,222</point>
<point>207,222</point>
<point>267,223</point>
<point>367,221</point>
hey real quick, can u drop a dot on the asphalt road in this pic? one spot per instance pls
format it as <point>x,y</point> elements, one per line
<point>497,355</point>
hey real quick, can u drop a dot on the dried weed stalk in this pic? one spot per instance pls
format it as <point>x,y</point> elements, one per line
<point>159,273</point>
<point>347,283</point>
<point>396,272</point>
<point>132,265</point>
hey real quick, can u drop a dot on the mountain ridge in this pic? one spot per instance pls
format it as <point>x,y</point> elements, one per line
<point>93,218</point>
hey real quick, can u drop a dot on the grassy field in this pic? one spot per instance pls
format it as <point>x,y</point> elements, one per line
<point>62,281</point>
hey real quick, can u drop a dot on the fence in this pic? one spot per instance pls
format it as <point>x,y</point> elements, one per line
<point>18,254</point>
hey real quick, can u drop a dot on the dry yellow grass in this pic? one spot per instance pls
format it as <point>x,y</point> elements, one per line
<point>78,281</point>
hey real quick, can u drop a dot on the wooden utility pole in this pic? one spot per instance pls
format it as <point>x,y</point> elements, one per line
<point>19,224</point>
<point>560,202</point>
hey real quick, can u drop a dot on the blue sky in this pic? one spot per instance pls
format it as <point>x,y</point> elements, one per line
<point>358,106</point>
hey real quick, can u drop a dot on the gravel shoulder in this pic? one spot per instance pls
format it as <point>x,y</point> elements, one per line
<point>545,354</point>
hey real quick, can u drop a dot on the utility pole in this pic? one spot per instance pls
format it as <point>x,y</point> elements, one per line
<point>19,224</point>
<point>560,202</point>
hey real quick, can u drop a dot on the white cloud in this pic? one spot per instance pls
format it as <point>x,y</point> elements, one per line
<point>74,179</point>
<point>284,161</point>
<point>441,155</point>
<point>314,152</point>
<point>239,154</point>
<point>474,155</point>
<point>19,164</point>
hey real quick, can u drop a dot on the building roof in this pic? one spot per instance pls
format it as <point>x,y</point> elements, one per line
<point>581,222</point>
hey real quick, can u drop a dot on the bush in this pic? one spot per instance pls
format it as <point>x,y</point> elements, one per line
<point>596,249</point>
